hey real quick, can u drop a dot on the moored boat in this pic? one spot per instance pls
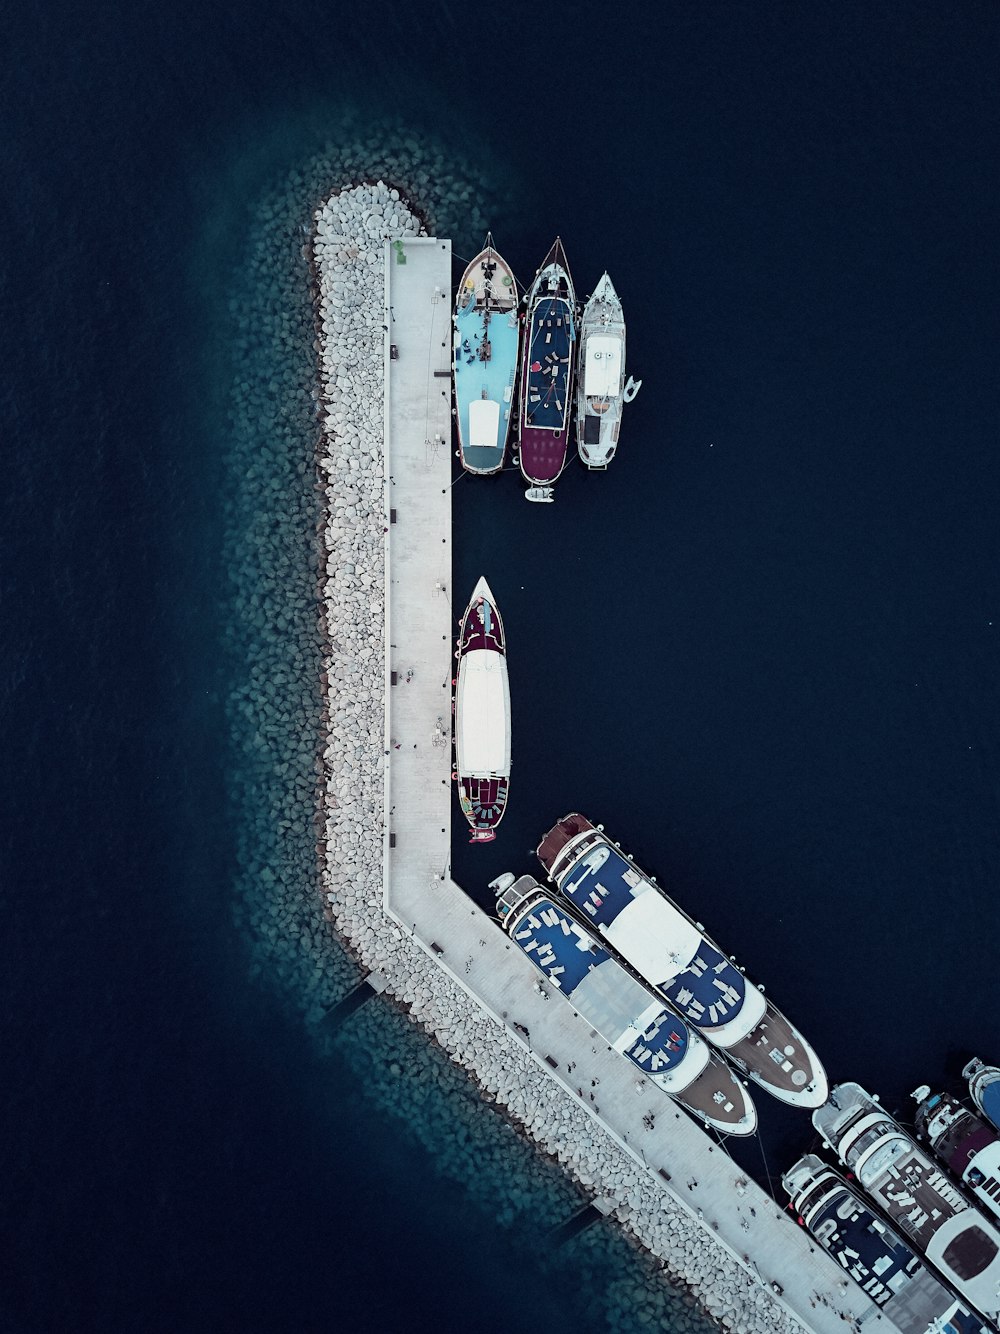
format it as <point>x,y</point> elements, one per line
<point>967,1145</point>
<point>482,716</point>
<point>671,952</point>
<point>905,1290</point>
<point>628,1015</point>
<point>984,1088</point>
<point>484,360</point>
<point>548,360</point>
<point>600,383</point>
<point>916,1197</point>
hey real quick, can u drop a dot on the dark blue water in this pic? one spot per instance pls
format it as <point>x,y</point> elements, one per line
<point>762,648</point>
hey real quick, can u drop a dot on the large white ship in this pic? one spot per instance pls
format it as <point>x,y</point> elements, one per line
<point>631,1018</point>
<point>662,944</point>
<point>915,1195</point>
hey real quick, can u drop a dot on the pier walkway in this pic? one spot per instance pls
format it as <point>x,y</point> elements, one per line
<point>418,890</point>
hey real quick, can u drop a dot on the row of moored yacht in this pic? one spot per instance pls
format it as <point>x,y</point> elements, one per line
<point>520,368</point>
<point>919,1230</point>
<point>928,1252</point>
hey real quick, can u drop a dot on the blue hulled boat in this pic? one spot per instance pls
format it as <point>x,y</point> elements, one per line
<point>485,355</point>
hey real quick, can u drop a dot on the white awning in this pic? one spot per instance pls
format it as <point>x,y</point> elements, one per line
<point>482,714</point>
<point>602,372</point>
<point>484,423</point>
<point>654,937</point>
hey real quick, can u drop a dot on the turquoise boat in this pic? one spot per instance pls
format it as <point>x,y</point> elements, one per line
<point>485,356</point>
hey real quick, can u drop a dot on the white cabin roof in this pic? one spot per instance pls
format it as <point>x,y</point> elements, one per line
<point>482,714</point>
<point>484,423</point>
<point>602,371</point>
<point>655,938</point>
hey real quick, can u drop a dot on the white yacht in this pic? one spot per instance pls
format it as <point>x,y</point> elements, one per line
<point>601,388</point>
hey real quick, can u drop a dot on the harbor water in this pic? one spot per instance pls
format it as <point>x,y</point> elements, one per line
<point>761,649</point>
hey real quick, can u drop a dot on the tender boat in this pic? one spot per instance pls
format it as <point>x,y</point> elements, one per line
<point>629,1017</point>
<point>482,716</point>
<point>904,1289</point>
<point>637,920</point>
<point>915,1195</point>
<point>600,383</point>
<point>548,360</point>
<point>485,355</point>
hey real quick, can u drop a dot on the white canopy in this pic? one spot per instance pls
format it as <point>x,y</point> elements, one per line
<point>484,423</point>
<point>482,714</point>
<point>602,372</point>
<point>654,937</point>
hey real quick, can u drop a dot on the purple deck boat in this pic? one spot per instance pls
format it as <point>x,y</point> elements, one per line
<point>547,371</point>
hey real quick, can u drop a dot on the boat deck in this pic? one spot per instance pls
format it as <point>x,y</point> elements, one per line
<point>548,364</point>
<point>875,1255</point>
<point>773,1051</point>
<point>482,628</point>
<point>706,988</point>
<point>483,800</point>
<point>625,1012</point>
<point>912,1190</point>
<point>485,367</point>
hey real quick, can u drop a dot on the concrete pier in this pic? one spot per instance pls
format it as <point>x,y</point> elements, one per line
<point>418,890</point>
<point>417,833</point>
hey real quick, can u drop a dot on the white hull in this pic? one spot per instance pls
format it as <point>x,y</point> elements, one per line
<point>600,381</point>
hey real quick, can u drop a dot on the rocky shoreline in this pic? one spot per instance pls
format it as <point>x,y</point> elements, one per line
<point>348,264</point>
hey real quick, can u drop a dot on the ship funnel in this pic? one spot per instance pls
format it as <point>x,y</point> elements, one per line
<point>921,1093</point>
